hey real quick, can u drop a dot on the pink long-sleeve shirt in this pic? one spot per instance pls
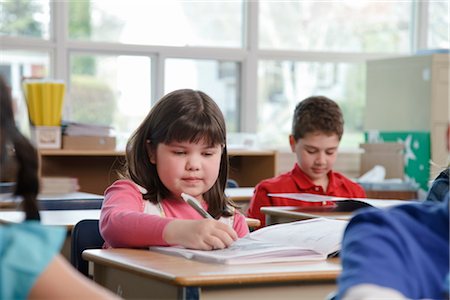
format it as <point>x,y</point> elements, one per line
<point>124,222</point>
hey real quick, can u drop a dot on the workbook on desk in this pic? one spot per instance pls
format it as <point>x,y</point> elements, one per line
<point>349,204</point>
<point>313,239</point>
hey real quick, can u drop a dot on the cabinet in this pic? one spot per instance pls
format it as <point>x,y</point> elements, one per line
<point>411,94</point>
<point>96,170</point>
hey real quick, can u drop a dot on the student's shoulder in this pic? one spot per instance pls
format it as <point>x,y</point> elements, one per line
<point>276,183</point>
<point>124,185</point>
<point>344,180</point>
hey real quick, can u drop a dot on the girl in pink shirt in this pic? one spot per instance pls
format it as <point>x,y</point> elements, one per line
<point>180,147</point>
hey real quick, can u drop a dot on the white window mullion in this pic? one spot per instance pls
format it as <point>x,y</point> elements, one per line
<point>158,74</point>
<point>249,85</point>
<point>420,26</point>
<point>59,31</point>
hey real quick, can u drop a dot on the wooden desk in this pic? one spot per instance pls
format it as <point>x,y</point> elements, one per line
<point>150,275</point>
<point>387,194</point>
<point>96,170</point>
<point>241,196</point>
<point>67,218</point>
<point>341,210</point>
<point>284,214</point>
<point>70,201</point>
<point>252,223</point>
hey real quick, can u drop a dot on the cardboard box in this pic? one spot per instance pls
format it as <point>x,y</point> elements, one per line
<point>46,137</point>
<point>89,142</point>
<point>388,155</point>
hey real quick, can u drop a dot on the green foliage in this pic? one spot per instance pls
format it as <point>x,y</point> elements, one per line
<point>80,28</point>
<point>80,19</point>
<point>17,18</point>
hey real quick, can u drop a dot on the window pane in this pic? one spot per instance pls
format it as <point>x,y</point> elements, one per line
<point>170,22</point>
<point>359,26</point>
<point>110,90</point>
<point>29,18</point>
<point>16,65</point>
<point>219,79</point>
<point>283,84</point>
<point>438,25</point>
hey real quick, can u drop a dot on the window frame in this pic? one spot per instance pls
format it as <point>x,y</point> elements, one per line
<point>60,48</point>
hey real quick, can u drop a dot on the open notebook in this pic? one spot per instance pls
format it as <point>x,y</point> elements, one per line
<point>313,239</point>
<point>349,203</point>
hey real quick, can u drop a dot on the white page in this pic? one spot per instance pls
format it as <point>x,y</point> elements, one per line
<point>381,203</point>
<point>319,234</point>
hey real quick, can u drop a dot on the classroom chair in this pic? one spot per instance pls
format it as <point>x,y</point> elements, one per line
<point>85,235</point>
<point>231,183</point>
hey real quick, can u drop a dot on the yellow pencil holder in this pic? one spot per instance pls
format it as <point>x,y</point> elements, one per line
<point>44,101</point>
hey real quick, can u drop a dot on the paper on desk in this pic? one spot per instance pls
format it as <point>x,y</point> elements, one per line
<point>380,203</point>
<point>312,239</point>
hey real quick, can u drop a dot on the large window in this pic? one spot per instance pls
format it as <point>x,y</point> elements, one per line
<point>220,80</point>
<point>25,18</point>
<point>282,84</point>
<point>168,23</point>
<point>256,58</point>
<point>110,90</point>
<point>438,25</point>
<point>16,65</point>
<point>352,26</point>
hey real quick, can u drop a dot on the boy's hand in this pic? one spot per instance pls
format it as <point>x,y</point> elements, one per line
<point>203,234</point>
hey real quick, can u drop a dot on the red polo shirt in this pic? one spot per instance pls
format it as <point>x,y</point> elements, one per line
<point>296,181</point>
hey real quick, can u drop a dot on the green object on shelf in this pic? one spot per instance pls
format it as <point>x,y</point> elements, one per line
<point>417,152</point>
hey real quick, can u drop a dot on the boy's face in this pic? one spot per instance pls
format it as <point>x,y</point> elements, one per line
<point>316,154</point>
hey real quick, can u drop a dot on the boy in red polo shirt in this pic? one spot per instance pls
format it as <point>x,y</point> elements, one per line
<point>317,129</point>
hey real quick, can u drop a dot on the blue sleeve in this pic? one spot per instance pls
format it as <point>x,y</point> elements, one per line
<point>439,189</point>
<point>26,249</point>
<point>405,248</point>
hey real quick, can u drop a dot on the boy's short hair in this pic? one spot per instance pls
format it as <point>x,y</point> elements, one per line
<point>317,114</point>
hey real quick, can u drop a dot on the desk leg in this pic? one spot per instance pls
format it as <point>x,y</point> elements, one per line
<point>132,286</point>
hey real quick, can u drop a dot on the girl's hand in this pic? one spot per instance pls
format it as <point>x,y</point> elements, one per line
<point>203,234</point>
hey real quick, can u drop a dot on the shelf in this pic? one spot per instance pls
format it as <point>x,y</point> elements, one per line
<point>97,169</point>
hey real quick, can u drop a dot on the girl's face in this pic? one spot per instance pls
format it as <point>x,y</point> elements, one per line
<point>185,167</point>
<point>316,154</point>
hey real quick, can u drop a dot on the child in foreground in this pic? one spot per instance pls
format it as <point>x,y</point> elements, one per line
<point>317,129</point>
<point>180,147</point>
<point>31,266</point>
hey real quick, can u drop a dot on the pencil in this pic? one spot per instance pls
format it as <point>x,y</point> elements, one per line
<point>195,205</point>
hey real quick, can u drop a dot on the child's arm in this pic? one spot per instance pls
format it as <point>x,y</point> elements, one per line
<point>259,200</point>
<point>123,222</point>
<point>60,280</point>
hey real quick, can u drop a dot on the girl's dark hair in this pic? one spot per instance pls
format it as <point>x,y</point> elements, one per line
<point>20,149</point>
<point>317,114</point>
<point>182,115</point>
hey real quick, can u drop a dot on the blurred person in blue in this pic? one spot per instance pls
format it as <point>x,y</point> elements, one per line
<point>398,253</point>
<point>31,265</point>
<point>440,184</point>
<point>439,187</point>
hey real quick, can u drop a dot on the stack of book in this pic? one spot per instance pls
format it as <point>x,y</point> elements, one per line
<point>81,136</point>
<point>59,185</point>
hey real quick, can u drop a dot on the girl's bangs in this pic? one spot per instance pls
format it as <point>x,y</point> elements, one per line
<point>194,131</point>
